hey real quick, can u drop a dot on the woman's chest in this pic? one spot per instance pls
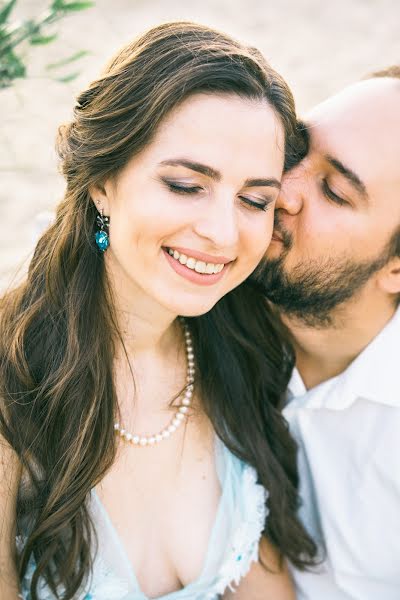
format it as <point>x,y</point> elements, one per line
<point>162,503</point>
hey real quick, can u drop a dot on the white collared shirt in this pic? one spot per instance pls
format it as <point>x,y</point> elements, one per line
<point>348,430</point>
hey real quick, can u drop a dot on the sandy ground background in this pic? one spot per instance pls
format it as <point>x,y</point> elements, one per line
<point>318,46</point>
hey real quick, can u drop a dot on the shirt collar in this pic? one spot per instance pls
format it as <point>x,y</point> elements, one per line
<point>373,375</point>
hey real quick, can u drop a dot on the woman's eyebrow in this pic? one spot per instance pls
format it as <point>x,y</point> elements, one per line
<point>216,175</point>
<point>268,182</point>
<point>194,166</point>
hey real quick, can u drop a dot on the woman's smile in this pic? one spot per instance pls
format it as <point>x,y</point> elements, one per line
<point>193,266</point>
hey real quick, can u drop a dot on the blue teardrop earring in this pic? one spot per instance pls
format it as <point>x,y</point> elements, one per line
<point>101,236</point>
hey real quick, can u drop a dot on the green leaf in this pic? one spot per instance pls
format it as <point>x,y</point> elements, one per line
<point>11,67</point>
<point>5,11</point>
<point>3,32</point>
<point>67,61</point>
<point>67,78</point>
<point>73,6</point>
<point>57,4</point>
<point>38,40</point>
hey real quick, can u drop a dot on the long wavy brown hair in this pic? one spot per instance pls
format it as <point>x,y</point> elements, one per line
<point>57,333</point>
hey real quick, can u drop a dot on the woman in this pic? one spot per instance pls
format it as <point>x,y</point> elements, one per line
<point>143,453</point>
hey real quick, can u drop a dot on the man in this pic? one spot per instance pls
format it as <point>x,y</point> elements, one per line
<point>333,269</point>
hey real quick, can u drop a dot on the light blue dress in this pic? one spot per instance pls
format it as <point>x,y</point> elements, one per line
<point>232,547</point>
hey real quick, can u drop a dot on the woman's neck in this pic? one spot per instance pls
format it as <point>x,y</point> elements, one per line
<point>142,333</point>
<point>144,326</point>
<point>149,342</point>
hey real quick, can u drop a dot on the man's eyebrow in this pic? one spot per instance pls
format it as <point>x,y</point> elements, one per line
<point>352,177</point>
<point>194,166</point>
<point>216,175</point>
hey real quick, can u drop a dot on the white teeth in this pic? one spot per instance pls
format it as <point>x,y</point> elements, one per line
<point>200,267</point>
<point>196,265</point>
<point>182,258</point>
<point>210,268</point>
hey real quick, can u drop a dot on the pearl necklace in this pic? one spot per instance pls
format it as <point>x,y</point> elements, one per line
<point>182,411</point>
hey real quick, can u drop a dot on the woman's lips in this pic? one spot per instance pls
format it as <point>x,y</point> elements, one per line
<point>207,258</point>
<point>190,274</point>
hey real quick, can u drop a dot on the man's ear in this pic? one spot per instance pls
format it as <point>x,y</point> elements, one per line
<point>99,194</point>
<point>389,276</point>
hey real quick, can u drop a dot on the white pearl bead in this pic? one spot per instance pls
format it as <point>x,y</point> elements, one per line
<point>152,440</point>
<point>179,416</point>
<point>158,437</point>
<point>128,437</point>
<point>135,439</point>
<point>171,428</point>
<point>176,422</point>
<point>186,401</point>
<point>122,432</point>
<point>143,441</point>
<point>165,434</point>
<point>116,426</point>
<point>183,409</point>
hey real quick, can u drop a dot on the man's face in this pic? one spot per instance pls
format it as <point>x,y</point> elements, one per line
<point>339,209</point>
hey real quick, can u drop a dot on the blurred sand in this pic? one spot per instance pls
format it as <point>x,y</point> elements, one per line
<point>318,46</point>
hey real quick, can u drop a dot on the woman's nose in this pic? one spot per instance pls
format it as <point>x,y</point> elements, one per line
<point>219,224</point>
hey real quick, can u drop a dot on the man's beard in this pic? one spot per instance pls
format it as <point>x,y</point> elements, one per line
<point>314,288</point>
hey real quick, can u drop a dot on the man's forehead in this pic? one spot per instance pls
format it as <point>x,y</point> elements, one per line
<point>360,125</point>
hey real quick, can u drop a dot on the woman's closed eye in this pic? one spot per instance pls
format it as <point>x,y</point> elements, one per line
<point>182,188</point>
<point>257,203</point>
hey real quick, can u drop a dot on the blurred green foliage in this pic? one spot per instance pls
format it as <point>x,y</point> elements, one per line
<point>34,32</point>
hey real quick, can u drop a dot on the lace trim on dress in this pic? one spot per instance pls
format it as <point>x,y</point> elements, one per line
<point>243,549</point>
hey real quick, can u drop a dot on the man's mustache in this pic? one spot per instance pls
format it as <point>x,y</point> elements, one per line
<point>281,233</point>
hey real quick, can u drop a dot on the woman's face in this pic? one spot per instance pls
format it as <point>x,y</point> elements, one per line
<point>192,214</point>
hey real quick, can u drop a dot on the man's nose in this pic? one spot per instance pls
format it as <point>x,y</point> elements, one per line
<point>291,195</point>
<point>219,224</point>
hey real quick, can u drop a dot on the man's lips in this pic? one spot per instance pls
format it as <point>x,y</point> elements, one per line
<point>276,237</point>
